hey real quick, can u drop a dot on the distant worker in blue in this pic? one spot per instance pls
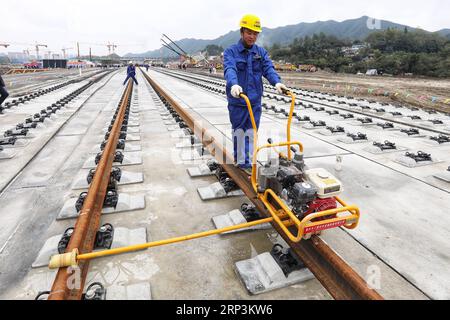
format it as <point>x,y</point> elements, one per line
<point>245,63</point>
<point>131,73</point>
<point>3,93</point>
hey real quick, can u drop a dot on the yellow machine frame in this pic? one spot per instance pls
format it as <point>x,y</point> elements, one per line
<point>284,217</point>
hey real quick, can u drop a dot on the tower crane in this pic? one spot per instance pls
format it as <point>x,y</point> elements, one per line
<point>36,46</point>
<point>37,49</point>
<point>64,51</point>
<point>111,47</point>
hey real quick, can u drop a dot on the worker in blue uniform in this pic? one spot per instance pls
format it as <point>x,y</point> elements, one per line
<point>131,73</point>
<point>3,93</point>
<point>245,63</point>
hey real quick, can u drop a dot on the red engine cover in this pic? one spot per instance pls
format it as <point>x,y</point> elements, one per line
<point>320,205</point>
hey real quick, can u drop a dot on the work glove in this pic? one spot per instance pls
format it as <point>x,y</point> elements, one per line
<point>280,88</point>
<point>236,90</point>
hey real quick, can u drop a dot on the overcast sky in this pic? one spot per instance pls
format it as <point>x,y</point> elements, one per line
<point>137,25</point>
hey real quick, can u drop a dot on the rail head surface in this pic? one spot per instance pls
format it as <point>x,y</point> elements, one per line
<point>336,276</point>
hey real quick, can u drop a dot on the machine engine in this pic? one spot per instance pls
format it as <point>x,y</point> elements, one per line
<point>304,191</point>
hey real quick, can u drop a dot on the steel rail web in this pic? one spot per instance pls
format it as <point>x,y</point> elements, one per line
<point>336,276</point>
<point>69,282</point>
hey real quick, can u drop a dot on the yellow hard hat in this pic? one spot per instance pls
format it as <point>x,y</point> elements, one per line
<point>251,22</point>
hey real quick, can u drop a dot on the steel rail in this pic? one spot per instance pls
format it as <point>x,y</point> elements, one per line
<point>69,282</point>
<point>336,276</point>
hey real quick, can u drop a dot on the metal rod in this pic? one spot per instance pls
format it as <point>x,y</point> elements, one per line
<point>168,46</point>
<point>175,44</point>
<point>116,251</point>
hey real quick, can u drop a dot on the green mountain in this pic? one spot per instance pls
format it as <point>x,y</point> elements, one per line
<point>354,29</point>
<point>445,33</point>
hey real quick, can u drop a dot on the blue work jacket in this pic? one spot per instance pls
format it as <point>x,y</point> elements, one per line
<point>131,70</point>
<point>246,67</point>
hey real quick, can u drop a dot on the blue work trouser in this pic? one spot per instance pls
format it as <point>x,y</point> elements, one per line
<point>132,76</point>
<point>3,94</point>
<point>243,133</point>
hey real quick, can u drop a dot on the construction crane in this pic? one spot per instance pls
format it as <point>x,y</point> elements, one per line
<point>172,46</point>
<point>168,46</point>
<point>64,51</point>
<point>37,49</point>
<point>185,53</point>
<point>36,45</point>
<point>111,47</point>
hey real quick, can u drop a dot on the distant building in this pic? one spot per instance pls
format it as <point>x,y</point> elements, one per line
<point>54,63</point>
<point>216,61</point>
<point>154,62</point>
<point>173,65</point>
<point>112,59</point>
<point>52,56</point>
<point>357,47</point>
<point>353,50</point>
<point>80,64</point>
<point>18,57</point>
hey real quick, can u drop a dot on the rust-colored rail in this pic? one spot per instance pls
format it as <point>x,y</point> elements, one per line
<point>337,277</point>
<point>21,71</point>
<point>69,282</point>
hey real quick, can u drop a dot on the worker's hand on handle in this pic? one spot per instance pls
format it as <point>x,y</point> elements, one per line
<point>281,88</point>
<point>236,90</point>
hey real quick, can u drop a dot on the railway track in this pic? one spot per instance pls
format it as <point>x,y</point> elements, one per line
<point>337,277</point>
<point>18,98</point>
<point>22,85</point>
<point>426,177</point>
<point>85,230</point>
<point>340,280</point>
<point>410,128</point>
<point>214,81</point>
<point>36,118</point>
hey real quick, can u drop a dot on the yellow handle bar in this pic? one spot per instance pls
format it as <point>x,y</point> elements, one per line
<point>291,113</point>
<point>288,144</point>
<point>306,226</point>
